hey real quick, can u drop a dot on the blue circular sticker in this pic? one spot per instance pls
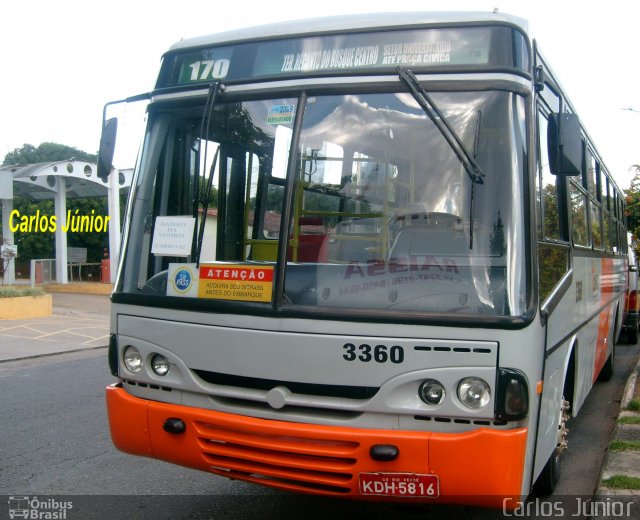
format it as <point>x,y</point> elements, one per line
<point>182,280</point>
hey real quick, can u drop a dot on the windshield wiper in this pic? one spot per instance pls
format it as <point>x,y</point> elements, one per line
<point>467,160</point>
<point>215,88</point>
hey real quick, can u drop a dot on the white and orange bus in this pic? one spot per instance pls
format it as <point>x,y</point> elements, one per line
<point>372,257</point>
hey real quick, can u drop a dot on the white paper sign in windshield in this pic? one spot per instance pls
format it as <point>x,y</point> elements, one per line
<point>173,236</point>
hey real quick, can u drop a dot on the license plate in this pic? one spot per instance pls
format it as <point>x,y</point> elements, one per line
<point>399,485</point>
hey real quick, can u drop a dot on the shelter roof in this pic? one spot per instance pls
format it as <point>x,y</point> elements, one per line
<point>38,181</point>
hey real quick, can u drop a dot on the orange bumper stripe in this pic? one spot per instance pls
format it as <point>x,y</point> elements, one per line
<point>128,422</point>
<point>479,467</point>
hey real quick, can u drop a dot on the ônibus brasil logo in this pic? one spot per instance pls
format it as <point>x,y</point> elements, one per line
<point>182,280</point>
<point>35,508</point>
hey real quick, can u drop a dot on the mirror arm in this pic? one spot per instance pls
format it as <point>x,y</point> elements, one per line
<point>108,135</point>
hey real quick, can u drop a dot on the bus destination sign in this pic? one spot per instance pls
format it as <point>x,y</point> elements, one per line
<point>375,51</point>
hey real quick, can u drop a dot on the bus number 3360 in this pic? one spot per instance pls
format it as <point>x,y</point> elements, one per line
<point>377,353</point>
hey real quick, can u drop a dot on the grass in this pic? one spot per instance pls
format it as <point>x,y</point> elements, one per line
<point>11,291</point>
<point>634,405</point>
<point>622,482</point>
<point>624,445</point>
<point>629,420</point>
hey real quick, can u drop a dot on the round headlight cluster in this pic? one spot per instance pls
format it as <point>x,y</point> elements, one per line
<point>431,392</point>
<point>473,392</point>
<point>160,365</point>
<point>132,359</point>
<point>134,363</point>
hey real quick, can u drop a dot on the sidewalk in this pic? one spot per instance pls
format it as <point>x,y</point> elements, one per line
<point>79,322</point>
<point>620,477</point>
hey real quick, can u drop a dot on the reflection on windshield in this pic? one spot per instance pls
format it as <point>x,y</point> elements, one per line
<point>395,232</point>
<point>378,204</point>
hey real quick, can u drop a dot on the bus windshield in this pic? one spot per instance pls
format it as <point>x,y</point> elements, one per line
<point>363,206</point>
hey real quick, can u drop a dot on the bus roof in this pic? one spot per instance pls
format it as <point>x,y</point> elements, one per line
<point>333,24</point>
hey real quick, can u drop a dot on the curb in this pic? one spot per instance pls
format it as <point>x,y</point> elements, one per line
<point>629,390</point>
<point>614,462</point>
<point>49,354</point>
<point>80,288</point>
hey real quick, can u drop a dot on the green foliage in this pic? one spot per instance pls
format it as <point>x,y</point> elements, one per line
<point>619,445</point>
<point>622,482</point>
<point>634,405</point>
<point>93,241</point>
<point>34,244</point>
<point>46,152</point>
<point>553,264</point>
<point>38,244</point>
<point>12,291</point>
<point>213,195</point>
<point>633,207</point>
<point>629,420</point>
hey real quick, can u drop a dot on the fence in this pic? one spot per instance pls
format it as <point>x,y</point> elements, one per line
<point>84,271</point>
<point>43,271</point>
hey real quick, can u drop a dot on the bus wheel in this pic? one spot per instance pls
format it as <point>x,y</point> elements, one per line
<point>632,333</point>
<point>550,475</point>
<point>607,369</point>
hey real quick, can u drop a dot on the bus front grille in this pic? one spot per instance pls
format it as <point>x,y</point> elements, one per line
<point>321,465</point>
<point>254,383</point>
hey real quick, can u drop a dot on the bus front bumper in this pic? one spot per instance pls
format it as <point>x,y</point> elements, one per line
<point>482,467</point>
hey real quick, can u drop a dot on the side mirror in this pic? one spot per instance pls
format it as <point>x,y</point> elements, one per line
<point>565,144</point>
<point>633,268</point>
<point>107,147</point>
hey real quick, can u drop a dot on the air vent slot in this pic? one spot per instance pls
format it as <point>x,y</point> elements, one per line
<point>254,383</point>
<point>457,350</point>
<point>476,422</point>
<point>322,464</point>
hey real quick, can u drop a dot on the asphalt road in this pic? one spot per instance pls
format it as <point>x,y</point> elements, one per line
<point>54,442</point>
<point>590,432</point>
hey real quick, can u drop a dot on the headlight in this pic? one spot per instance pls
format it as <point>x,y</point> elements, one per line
<point>431,392</point>
<point>160,365</point>
<point>132,359</point>
<point>474,392</point>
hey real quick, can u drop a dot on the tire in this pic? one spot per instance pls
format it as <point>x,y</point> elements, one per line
<point>632,333</point>
<point>607,369</point>
<point>549,477</point>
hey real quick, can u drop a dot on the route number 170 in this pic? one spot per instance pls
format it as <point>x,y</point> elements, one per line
<point>377,353</point>
<point>209,69</point>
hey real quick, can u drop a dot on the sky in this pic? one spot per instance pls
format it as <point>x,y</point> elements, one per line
<point>60,62</point>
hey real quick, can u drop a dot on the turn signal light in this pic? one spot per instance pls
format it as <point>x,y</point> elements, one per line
<point>512,400</point>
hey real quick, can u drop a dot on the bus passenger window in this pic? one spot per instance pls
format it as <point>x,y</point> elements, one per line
<point>590,174</point>
<point>579,215</point>
<point>547,192</point>
<point>553,256</point>
<point>596,226</point>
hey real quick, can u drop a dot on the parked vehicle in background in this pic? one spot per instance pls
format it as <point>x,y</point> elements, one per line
<point>632,307</point>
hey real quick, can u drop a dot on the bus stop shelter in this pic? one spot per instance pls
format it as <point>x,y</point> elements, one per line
<point>60,181</point>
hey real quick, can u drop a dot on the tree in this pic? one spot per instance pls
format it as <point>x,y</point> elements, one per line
<point>45,152</point>
<point>34,244</point>
<point>633,206</point>
<point>94,242</point>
